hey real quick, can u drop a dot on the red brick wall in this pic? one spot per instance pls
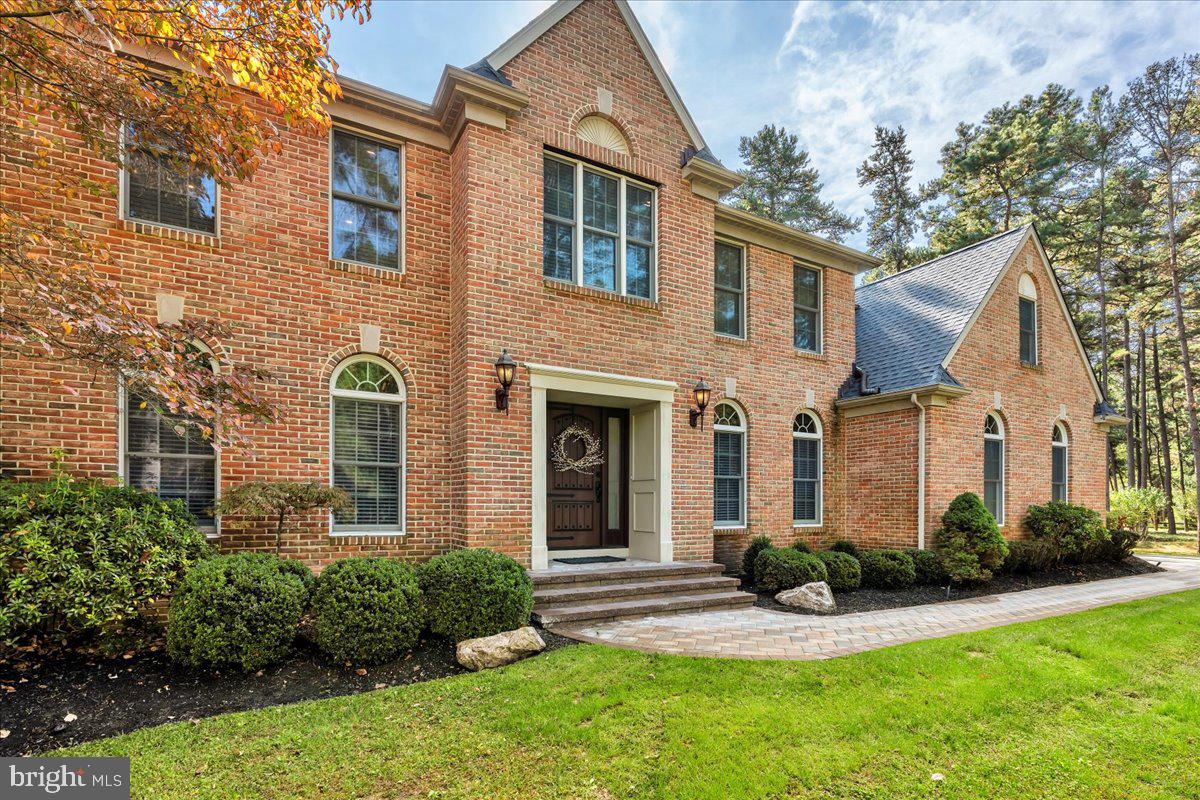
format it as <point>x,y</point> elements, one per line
<point>881,473</point>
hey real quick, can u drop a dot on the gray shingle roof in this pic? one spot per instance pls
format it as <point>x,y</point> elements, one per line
<point>907,323</point>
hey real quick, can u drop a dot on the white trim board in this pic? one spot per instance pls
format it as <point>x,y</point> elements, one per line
<point>551,16</point>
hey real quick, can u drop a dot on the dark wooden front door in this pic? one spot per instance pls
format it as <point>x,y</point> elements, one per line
<point>587,509</point>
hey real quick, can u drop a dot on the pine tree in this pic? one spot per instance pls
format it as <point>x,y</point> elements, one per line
<point>780,183</point>
<point>892,220</point>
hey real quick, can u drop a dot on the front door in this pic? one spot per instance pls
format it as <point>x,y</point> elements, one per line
<point>586,465</point>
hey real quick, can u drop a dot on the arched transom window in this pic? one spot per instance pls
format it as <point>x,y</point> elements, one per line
<point>368,445</point>
<point>1059,464</point>
<point>729,466</point>
<point>806,469</point>
<point>993,466</point>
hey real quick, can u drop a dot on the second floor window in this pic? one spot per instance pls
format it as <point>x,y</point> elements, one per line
<point>366,201</point>
<point>166,191</point>
<point>598,228</point>
<point>1027,313</point>
<point>729,290</point>
<point>806,308</point>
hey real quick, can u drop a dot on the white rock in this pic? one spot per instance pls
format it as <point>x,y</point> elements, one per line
<point>813,596</point>
<point>503,648</point>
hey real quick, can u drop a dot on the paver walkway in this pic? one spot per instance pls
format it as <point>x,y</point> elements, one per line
<point>758,633</point>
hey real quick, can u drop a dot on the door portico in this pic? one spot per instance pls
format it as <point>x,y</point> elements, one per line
<point>646,496</point>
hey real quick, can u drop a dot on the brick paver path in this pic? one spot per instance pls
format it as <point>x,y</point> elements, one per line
<point>758,633</point>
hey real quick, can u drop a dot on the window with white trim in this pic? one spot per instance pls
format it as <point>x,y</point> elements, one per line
<point>1059,464</point>
<point>366,201</point>
<point>806,308</point>
<point>368,445</point>
<point>729,290</point>
<point>598,228</point>
<point>166,191</point>
<point>1027,313</point>
<point>993,466</point>
<point>806,469</point>
<point>729,466</point>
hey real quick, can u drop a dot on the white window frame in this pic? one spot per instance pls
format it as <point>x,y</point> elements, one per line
<point>819,437</point>
<point>622,235</point>
<point>820,309</point>
<point>997,437</point>
<point>1065,444</point>
<point>743,305</point>
<point>123,446</point>
<point>400,398</point>
<point>1027,290</point>
<point>402,209</point>
<point>123,198</point>
<point>742,431</point>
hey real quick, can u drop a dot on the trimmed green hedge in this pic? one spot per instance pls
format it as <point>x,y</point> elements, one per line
<point>475,592</point>
<point>887,569</point>
<point>79,557</point>
<point>845,574</point>
<point>236,611</point>
<point>930,567</point>
<point>845,546</point>
<point>756,546</point>
<point>367,610</point>
<point>780,569</point>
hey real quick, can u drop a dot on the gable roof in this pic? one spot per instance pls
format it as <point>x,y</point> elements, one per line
<point>543,22</point>
<point>908,324</point>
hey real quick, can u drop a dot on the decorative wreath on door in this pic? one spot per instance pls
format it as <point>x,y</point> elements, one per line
<point>592,456</point>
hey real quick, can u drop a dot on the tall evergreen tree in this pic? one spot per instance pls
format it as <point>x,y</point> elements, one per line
<point>892,220</point>
<point>780,183</point>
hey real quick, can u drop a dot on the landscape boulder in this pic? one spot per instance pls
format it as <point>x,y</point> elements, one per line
<point>813,596</point>
<point>502,648</point>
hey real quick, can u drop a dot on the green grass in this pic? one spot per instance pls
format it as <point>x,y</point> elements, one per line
<point>1158,541</point>
<point>1102,704</point>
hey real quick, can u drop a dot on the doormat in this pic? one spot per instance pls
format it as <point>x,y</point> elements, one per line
<point>588,560</point>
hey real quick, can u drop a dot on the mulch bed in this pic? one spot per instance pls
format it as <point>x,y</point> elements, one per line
<point>878,600</point>
<point>111,696</point>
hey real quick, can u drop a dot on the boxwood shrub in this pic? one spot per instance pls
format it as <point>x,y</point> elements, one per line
<point>802,546</point>
<point>367,610</point>
<point>756,546</point>
<point>887,569</point>
<point>785,568</point>
<point>474,592</point>
<point>845,546</point>
<point>236,611</point>
<point>930,567</point>
<point>845,574</point>
<point>80,557</point>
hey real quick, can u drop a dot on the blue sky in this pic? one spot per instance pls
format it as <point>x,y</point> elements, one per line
<point>830,71</point>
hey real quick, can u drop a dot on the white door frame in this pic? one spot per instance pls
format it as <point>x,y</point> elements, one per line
<point>599,386</point>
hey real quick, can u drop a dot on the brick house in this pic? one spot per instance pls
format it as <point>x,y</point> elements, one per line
<point>556,201</point>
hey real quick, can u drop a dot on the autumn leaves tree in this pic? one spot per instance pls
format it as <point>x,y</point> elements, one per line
<point>207,87</point>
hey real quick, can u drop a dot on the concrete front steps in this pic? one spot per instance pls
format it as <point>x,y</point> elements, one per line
<point>606,592</point>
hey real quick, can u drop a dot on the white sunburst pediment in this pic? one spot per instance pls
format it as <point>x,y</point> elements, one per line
<point>599,131</point>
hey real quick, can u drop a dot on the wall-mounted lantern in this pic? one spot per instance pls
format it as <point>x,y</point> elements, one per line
<point>700,392</point>
<point>506,371</point>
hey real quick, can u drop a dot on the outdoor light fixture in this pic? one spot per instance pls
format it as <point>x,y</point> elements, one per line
<point>506,370</point>
<point>701,391</point>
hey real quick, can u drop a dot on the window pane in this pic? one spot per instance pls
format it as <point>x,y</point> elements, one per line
<point>599,201</point>
<point>558,246</point>
<point>365,233</point>
<point>992,460</point>
<point>1028,325</point>
<point>805,329</point>
<point>639,213</point>
<point>366,168</point>
<point>599,261</point>
<point>170,194</point>
<point>727,477</point>
<point>638,280</point>
<point>558,189</point>
<point>804,501</point>
<point>728,266</point>
<point>991,498</point>
<point>806,287</point>
<point>805,459</point>
<point>367,454</point>
<point>727,313</point>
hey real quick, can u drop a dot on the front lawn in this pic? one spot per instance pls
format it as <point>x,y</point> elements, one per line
<point>1101,704</point>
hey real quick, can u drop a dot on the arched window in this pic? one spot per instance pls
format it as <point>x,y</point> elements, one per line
<point>1059,464</point>
<point>993,467</point>
<point>168,458</point>
<point>806,469</point>
<point>368,445</point>
<point>729,466</point>
<point>1027,303</point>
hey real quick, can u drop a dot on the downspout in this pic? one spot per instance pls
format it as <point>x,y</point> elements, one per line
<point>920,471</point>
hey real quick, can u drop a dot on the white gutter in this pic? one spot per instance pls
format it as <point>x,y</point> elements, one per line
<point>920,471</point>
